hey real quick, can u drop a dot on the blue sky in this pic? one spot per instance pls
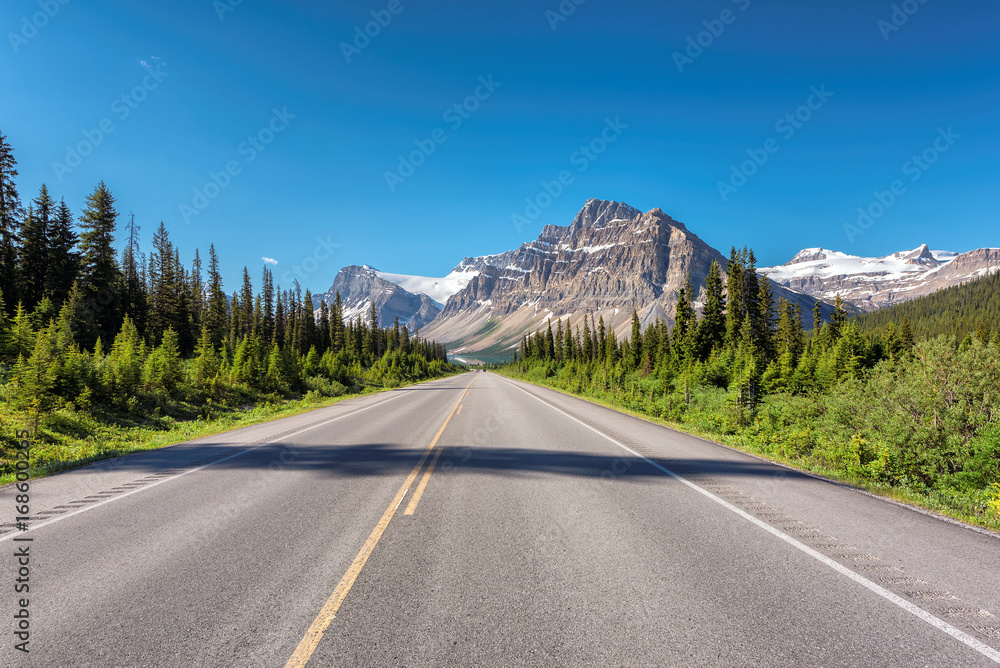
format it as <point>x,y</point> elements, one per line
<point>201,78</point>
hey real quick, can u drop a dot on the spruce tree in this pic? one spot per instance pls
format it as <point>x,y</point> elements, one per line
<point>11,215</point>
<point>765,320</point>
<point>906,335</point>
<point>404,340</point>
<point>712,327</point>
<point>267,305</point>
<point>246,304</point>
<point>839,318</point>
<point>215,316</point>
<point>734,296</point>
<point>134,297</point>
<point>166,288</point>
<point>206,363</point>
<point>309,336</point>
<point>99,273</point>
<point>35,252</point>
<point>684,319</point>
<point>64,261</point>
<point>636,342</point>
<point>196,293</point>
<point>373,346</point>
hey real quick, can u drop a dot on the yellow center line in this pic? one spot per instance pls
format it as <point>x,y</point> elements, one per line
<point>419,491</point>
<point>460,409</point>
<point>300,657</point>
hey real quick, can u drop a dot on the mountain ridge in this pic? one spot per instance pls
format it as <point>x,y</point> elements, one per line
<point>609,260</point>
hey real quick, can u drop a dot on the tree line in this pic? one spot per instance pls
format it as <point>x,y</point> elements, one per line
<point>81,323</point>
<point>743,340</point>
<point>968,310</point>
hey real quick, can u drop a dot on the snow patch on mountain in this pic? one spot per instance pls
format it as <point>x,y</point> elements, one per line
<point>438,289</point>
<point>824,263</point>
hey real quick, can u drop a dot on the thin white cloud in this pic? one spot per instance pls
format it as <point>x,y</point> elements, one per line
<point>269,260</point>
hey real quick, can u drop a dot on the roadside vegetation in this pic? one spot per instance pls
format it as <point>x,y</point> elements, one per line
<point>103,353</point>
<point>917,420</point>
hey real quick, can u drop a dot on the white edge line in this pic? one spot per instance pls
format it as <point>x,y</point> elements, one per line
<point>35,527</point>
<point>942,625</point>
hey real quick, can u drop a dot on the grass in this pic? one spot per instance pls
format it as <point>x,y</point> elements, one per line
<point>69,439</point>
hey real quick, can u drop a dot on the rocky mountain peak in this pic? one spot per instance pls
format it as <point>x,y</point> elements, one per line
<point>596,213</point>
<point>921,255</point>
<point>808,255</point>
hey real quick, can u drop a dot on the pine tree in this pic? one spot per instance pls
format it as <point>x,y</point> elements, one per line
<point>404,340</point>
<point>166,289</point>
<point>99,274</point>
<point>235,313</point>
<point>684,319</point>
<point>373,345</point>
<point>196,293</point>
<point>64,261</point>
<point>983,333</point>
<point>636,342</point>
<point>765,320</point>
<point>246,305</point>
<point>11,215</point>
<point>35,376</point>
<point>712,327</point>
<point>267,330</point>
<point>906,335</point>
<point>163,366</point>
<point>839,318</point>
<point>216,316</point>
<point>185,329</point>
<point>278,335</point>
<point>134,298</point>
<point>337,335</point>
<point>323,328</point>
<point>309,337</point>
<point>122,370</point>
<point>35,252</point>
<point>206,363</point>
<point>569,350</point>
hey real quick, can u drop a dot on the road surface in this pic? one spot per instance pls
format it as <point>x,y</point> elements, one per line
<point>538,530</point>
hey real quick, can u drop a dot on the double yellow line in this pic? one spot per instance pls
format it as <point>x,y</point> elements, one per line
<point>300,657</point>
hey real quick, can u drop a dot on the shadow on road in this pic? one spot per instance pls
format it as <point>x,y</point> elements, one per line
<point>378,459</point>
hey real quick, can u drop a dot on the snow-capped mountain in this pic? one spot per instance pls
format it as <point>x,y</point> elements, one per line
<point>871,283</point>
<point>360,286</point>
<point>609,260</point>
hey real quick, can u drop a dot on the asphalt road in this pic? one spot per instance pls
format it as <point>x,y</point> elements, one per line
<point>549,532</point>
